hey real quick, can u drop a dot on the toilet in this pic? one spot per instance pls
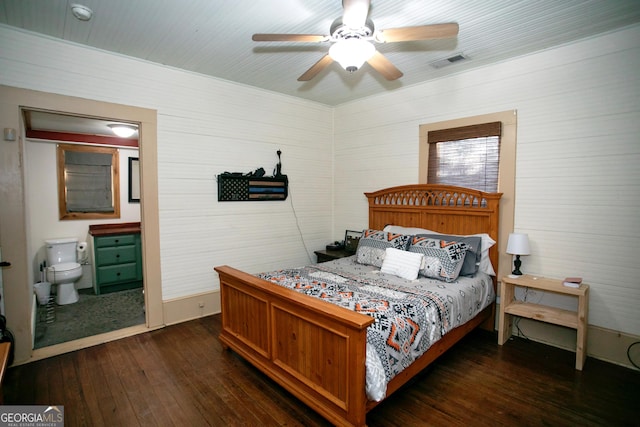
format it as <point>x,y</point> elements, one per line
<point>63,269</point>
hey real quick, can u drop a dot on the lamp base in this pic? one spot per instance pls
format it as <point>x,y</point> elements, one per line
<point>514,276</point>
<point>516,264</point>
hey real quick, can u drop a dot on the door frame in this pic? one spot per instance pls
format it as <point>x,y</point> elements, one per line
<point>13,230</point>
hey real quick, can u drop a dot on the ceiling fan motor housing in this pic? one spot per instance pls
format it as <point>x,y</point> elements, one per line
<point>339,31</point>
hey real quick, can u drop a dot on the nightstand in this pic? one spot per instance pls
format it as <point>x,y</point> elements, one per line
<point>571,319</point>
<point>324,255</point>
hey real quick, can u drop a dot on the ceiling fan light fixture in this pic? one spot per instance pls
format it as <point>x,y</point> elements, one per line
<point>122,130</point>
<point>351,53</point>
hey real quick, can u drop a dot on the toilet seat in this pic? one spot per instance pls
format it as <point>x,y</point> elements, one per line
<point>65,266</point>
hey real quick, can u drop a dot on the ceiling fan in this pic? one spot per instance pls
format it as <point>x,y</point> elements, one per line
<point>352,34</point>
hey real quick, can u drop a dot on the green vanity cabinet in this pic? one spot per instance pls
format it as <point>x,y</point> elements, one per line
<point>118,262</point>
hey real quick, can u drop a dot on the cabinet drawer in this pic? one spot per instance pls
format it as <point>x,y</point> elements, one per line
<point>117,240</point>
<point>116,255</point>
<point>116,273</point>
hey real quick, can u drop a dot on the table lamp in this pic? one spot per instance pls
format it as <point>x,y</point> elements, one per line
<point>517,245</point>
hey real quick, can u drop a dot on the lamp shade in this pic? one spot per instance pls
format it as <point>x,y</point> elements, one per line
<point>518,244</point>
<point>351,53</point>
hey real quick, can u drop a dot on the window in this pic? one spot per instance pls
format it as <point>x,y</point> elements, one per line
<point>467,156</point>
<point>88,183</point>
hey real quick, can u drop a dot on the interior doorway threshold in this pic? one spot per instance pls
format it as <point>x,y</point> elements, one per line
<point>69,346</point>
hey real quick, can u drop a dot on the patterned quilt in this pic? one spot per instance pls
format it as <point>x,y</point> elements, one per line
<point>410,315</point>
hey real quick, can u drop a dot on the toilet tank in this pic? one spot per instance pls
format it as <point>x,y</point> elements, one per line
<point>61,250</point>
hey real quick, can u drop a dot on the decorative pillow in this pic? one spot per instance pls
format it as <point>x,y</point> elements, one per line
<point>372,245</point>
<point>402,263</point>
<point>474,250</point>
<point>487,242</point>
<point>443,259</point>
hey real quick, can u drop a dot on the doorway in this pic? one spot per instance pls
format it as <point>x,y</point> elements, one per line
<point>74,189</point>
<point>17,240</point>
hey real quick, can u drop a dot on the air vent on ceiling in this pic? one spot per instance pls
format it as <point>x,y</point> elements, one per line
<point>450,60</point>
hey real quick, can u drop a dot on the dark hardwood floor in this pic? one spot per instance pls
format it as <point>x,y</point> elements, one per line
<point>180,376</point>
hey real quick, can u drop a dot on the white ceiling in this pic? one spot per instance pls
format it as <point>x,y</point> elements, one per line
<point>213,37</point>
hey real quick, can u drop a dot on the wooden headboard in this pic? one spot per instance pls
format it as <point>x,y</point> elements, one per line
<point>443,208</point>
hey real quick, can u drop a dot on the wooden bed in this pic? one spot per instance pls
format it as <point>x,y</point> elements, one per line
<point>316,350</point>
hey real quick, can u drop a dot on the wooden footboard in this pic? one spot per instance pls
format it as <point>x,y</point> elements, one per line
<point>314,349</point>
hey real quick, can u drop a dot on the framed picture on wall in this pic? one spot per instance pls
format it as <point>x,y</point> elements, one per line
<point>134,180</point>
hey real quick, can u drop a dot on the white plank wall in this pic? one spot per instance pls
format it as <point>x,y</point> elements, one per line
<point>577,175</point>
<point>205,127</point>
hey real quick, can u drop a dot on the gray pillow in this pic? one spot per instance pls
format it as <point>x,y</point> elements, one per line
<point>474,250</point>
<point>373,243</point>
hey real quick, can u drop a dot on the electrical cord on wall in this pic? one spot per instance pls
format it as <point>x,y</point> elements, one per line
<point>295,215</point>
<point>633,351</point>
<point>516,322</point>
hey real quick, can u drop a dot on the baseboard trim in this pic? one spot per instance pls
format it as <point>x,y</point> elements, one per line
<point>191,307</point>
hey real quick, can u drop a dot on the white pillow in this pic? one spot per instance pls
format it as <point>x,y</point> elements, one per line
<point>402,263</point>
<point>485,262</point>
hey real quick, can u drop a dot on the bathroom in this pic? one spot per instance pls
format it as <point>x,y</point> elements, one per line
<point>44,223</point>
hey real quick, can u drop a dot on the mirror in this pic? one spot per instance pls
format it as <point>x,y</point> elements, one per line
<point>88,182</point>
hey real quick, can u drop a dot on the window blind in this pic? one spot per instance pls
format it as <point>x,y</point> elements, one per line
<point>467,156</point>
<point>88,182</point>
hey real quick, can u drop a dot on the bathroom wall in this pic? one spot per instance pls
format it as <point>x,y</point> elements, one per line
<point>42,198</point>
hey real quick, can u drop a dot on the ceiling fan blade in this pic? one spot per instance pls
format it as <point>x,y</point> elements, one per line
<point>324,62</point>
<point>355,13</point>
<point>289,38</point>
<point>382,65</point>
<point>423,32</point>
